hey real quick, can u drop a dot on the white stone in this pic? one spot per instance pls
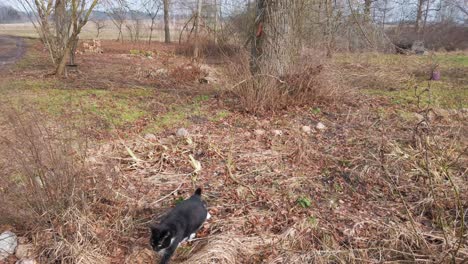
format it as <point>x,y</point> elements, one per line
<point>306,129</point>
<point>151,137</point>
<point>8,243</point>
<point>320,126</point>
<point>162,71</point>
<point>182,132</point>
<point>259,132</point>
<point>277,132</point>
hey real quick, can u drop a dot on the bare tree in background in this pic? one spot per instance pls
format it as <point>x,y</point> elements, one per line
<point>419,15</point>
<point>59,23</point>
<point>167,33</point>
<point>196,49</point>
<point>216,8</point>
<point>152,8</point>
<point>134,25</point>
<point>100,25</point>
<point>367,10</point>
<point>117,12</point>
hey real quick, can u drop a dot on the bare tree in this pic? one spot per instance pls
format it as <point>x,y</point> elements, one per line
<point>367,10</point>
<point>59,23</point>
<point>100,25</point>
<point>152,8</point>
<point>276,36</point>
<point>167,33</point>
<point>216,8</point>
<point>196,49</point>
<point>134,25</point>
<point>117,12</point>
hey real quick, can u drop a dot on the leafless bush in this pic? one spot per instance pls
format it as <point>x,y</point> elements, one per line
<point>185,73</point>
<point>305,84</point>
<point>49,189</point>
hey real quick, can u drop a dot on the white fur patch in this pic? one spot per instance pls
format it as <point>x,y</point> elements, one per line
<point>191,237</point>
<point>162,251</point>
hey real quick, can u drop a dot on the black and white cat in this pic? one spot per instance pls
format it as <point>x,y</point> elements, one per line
<point>179,225</point>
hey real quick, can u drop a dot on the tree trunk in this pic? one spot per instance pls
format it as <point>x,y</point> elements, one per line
<point>276,38</point>
<point>258,36</point>
<point>62,64</point>
<point>196,49</point>
<point>425,18</point>
<point>151,31</point>
<point>367,10</point>
<point>167,33</point>
<point>419,12</point>
<point>216,22</point>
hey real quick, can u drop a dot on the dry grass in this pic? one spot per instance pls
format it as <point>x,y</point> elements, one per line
<point>305,84</point>
<point>50,190</point>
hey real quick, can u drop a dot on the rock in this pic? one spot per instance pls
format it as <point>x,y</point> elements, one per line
<point>418,48</point>
<point>306,129</point>
<point>419,117</point>
<point>26,261</point>
<point>151,137</point>
<point>259,132</point>
<point>161,71</point>
<point>320,126</point>
<point>277,132</point>
<point>182,132</point>
<point>8,243</point>
<point>24,251</point>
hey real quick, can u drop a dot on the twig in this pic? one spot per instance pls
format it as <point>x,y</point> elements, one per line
<point>171,193</point>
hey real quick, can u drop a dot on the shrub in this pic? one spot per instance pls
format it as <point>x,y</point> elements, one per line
<point>49,190</point>
<point>304,84</point>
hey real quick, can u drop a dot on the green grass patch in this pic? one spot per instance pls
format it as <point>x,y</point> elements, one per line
<point>304,202</point>
<point>439,95</point>
<point>113,108</point>
<point>453,60</point>
<point>220,115</point>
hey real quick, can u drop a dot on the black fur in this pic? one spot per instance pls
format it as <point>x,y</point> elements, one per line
<point>182,221</point>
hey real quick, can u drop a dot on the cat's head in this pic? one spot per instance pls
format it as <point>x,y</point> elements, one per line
<point>161,238</point>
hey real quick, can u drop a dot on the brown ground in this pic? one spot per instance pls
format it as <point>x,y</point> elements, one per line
<point>11,50</point>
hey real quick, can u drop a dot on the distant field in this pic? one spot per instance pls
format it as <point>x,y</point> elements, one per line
<point>90,31</point>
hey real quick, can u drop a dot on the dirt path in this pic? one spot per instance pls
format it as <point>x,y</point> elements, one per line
<point>11,50</point>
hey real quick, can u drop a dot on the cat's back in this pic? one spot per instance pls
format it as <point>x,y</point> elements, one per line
<point>193,209</point>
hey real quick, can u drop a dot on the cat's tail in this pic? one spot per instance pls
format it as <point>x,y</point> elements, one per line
<point>198,191</point>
